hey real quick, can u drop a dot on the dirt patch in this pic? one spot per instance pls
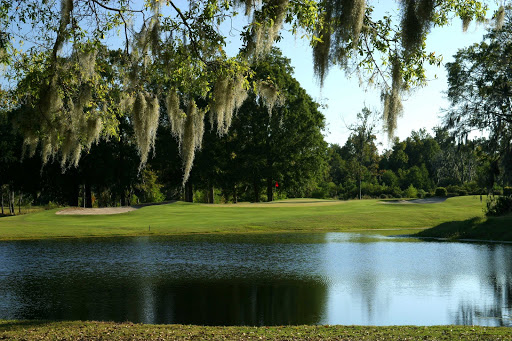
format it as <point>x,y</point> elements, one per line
<point>435,200</point>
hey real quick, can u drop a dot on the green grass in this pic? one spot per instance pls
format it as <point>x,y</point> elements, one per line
<point>289,215</point>
<point>491,228</point>
<point>76,330</point>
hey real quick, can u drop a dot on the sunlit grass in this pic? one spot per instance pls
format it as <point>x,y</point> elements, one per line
<point>288,215</point>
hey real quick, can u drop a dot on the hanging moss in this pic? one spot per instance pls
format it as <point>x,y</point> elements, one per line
<point>416,22</point>
<point>176,115</point>
<point>264,31</point>
<point>146,112</point>
<point>500,17</point>
<point>392,100</point>
<point>228,95</point>
<point>192,137</point>
<point>342,25</point>
<point>321,56</point>
<point>465,23</point>
<point>270,95</point>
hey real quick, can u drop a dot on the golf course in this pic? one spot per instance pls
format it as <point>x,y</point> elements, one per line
<point>306,215</point>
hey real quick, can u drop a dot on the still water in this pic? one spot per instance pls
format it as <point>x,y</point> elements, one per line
<point>327,278</point>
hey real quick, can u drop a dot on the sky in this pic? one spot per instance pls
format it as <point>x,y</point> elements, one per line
<point>345,97</point>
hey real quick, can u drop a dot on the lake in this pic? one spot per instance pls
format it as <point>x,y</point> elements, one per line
<point>259,279</point>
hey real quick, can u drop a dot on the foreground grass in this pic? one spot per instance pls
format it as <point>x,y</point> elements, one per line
<point>76,330</point>
<point>290,215</point>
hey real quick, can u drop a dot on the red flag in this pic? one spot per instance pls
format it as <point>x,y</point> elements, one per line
<point>277,185</point>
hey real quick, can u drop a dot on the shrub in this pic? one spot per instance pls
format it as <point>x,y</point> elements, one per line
<point>462,192</point>
<point>410,192</point>
<point>428,195</point>
<point>441,192</point>
<point>421,194</point>
<point>498,205</point>
<point>395,192</point>
<point>383,196</point>
<point>454,189</point>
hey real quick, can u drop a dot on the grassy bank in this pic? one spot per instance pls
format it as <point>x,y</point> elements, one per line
<point>481,228</point>
<point>289,215</point>
<point>40,330</point>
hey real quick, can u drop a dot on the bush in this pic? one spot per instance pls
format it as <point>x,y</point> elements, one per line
<point>498,205</point>
<point>462,192</point>
<point>428,195</point>
<point>410,192</point>
<point>395,192</point>
<point>421,194</point>
<point>383,196</point>
<point>441,192</point>
<point>507,191</point>
<point>453,189</point>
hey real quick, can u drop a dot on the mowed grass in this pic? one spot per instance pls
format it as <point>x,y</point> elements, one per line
<point>77,330</point>
<point>282,216</point>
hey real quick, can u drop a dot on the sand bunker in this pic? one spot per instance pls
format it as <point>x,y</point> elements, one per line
<point>435,200</point>
<point>95,211</point>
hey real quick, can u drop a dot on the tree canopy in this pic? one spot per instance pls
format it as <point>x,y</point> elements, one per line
<point>78,72</point>
<point>480,93</point>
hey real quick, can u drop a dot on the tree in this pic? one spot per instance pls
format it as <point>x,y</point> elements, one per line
<point>259,150</point>
<point>480,92</point>
<point>360,147</point>
<point>172,54</point>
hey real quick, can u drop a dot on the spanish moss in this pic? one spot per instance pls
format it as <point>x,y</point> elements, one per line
<point>176,115</point>
<point>265,33</point>
<point>465,23</point>
<point>192,137</point>
<point>270,95</point>
<point>392,100</point>
<point>416,22</point>
<point>145,114</point>
<point>500,17</point>
<point>228,95</point>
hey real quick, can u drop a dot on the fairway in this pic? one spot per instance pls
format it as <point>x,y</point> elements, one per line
<point>287,215</point>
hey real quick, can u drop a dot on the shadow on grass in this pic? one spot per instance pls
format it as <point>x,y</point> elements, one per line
<point>23,324</point>
<point>491,228</point>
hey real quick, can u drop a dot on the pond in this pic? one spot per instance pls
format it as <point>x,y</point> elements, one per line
<point>271,279</point>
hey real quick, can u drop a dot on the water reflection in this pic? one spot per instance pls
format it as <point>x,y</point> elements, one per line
<point>332,278</point>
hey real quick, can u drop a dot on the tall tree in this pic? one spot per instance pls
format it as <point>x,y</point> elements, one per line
<point>360,147</point>
<point>262,148</point>
<point>480,91</point>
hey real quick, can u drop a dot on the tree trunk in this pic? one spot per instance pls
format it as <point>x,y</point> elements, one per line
<point>270,189</point>
<point>19,203</point>
<point>123,199</point>
<point>189,194</point>
<point>88,195</point>
<point>74,195</point>
<point>2,194</point>
<point>11,204</point>
<point>360,196</point>
<point>235,195</point>
<point>256,187</point>
<point>211,195</point>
